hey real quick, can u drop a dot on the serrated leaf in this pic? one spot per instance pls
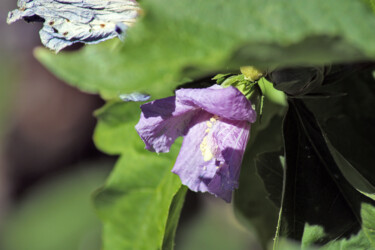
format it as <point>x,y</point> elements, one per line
<point>364,239</point>
<point>313,233</point>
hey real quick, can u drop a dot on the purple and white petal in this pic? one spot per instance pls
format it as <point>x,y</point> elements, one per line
<point>225,102</point>
<point>162,121</point>
<point>216,184</point>
<point>194,169</point>
<point>232,138</point>
<point>211,154</point>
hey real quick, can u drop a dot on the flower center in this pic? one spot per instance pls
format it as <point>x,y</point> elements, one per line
<point>209,146</point>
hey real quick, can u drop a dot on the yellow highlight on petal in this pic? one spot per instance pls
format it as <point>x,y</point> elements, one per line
<point>206,146</point>
<point>206,152</point>
<point>207,155</point>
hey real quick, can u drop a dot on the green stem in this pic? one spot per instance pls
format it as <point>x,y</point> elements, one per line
<point>277,234</point>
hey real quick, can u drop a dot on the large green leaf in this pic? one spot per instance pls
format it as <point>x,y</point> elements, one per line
<point>316,192</point>
<point>115,131</point>
<point>135,203</point>
<point>350,118</point>
<point>317,169</point>
<point>311,194</point>
<point>190,38</point>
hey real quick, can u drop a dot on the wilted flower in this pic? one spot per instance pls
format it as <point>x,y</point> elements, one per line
<point>215,124</point>
<point>66,22</point>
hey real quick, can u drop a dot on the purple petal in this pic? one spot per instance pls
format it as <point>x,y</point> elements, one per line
<point>162,121</point>
<point>225,102</point>
<point>233,137</point>
<point>225,141</point>
<point>194,172</point>
<point>215,186</point>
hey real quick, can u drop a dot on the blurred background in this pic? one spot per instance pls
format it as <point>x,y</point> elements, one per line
<point>49,166</point>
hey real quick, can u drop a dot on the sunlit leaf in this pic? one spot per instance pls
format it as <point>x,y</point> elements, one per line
<point>135,203</point>
<point>192,38</point>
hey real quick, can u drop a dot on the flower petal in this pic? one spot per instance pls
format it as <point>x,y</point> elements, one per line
<point>162,121</point>
<point>66,22</point>
<point>226,142</point>
<point>232,140</point>
<point>194,171</point>
<point>225,102</point>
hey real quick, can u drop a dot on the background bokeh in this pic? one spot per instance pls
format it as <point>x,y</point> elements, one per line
<point>49,166</point>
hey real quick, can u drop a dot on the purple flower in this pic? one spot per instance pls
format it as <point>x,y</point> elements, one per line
<point>215,124</point>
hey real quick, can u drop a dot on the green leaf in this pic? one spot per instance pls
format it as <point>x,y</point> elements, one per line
<point>368,215</point>
<point>340,131</point>
<point>345,124</point>
<point>115,132</point>
<point>173,218</point>
<point>269,167</point>
<point>135,203</point>
<point>271,93</point>
<point>359,241</point>
<point>354,177</point>
<point>287,244</point>
<point>195,38</point>
<point>316,191</point>
<point>313,233</point>
<point>350,118</point>
<point>312,194</point>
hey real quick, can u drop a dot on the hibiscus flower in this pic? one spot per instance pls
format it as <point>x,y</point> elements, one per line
<point>215,123</point>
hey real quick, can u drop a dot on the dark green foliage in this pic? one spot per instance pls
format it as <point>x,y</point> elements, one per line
<point>329,196</point>
<point>312,194</point>
<point>297,81</point>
